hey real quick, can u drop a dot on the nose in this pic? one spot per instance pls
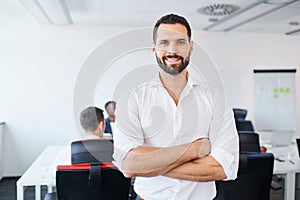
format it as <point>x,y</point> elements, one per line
<point>172,48</point>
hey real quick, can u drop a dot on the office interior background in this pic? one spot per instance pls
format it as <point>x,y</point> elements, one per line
<point>41,59</point>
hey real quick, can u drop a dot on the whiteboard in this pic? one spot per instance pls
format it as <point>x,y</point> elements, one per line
<point>275,100</point>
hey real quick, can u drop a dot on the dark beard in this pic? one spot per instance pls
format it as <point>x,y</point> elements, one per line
<point>174,70</point>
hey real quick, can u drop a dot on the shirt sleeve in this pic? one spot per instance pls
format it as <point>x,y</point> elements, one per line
<point>128,132</point>
<point>224,136</point>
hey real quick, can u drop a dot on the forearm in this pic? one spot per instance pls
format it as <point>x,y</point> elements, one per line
<point>199,170</point>
<point>154,161</point>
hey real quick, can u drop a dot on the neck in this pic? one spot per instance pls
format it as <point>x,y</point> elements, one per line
<point>174,84</point>
<point>112,118</point>
<point>96,133</point>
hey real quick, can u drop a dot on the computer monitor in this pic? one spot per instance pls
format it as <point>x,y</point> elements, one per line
<point>281,138</point>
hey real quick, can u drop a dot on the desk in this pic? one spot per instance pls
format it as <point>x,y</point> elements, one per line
<point>287,168</point>
<point>36,174</point>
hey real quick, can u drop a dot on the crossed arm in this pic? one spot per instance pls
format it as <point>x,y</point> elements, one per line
<point>187,162</point>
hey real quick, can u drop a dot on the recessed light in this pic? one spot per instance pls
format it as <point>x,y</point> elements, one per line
<point>294,23</point>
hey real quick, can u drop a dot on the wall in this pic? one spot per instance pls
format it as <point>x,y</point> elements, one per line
<point>38,69</point>
<point>237,54</point>
<point>39,65</point>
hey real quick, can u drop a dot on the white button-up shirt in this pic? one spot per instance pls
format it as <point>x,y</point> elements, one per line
<point>148,116</point>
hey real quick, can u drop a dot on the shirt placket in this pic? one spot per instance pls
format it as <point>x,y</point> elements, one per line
<point>177,122</point>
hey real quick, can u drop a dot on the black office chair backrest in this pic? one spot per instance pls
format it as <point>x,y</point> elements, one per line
<point>92,151</point>
<point>249,141</point>
<point>239,114</point>
<point>253,181</point>
<point>75,182</point>
<point>92,175</point>
<point>245,125</point>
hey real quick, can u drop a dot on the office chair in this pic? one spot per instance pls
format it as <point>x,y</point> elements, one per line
<point>88,182</point>
<point>92,150</point>
<point>253,181</point>
<point>240,120</point>
<point>249,141</point>
<point>245,125</point>
<point>239,114</point>
<point>91,175</point>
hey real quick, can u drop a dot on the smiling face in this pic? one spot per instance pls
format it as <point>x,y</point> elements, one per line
<point>172,48</point>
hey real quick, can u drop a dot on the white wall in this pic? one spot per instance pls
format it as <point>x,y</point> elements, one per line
<point>39,65</point>
<point>237,54</point>
<point>38,70</point>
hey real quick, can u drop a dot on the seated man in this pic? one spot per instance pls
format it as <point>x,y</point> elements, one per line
<point>110,107</point>
<point>92,121</point>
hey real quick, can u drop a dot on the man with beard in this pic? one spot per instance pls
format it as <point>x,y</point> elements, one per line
<point>175,134</point>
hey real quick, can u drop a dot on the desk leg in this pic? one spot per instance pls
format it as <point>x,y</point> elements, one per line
<point>20,192</point>
<point>37,192</point>
<point>289,189</point>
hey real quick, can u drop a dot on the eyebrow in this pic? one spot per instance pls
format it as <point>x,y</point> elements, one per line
<point>180,39</point>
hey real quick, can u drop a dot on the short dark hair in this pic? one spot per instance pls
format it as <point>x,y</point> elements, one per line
<point>90,118</point>
<point>172,19</point>
<point>109,102</point>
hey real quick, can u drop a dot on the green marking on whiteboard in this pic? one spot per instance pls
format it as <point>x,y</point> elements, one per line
<point>281,89</point>
<point>287,90</point>
<point>275,96</point>
<point>275,90</point>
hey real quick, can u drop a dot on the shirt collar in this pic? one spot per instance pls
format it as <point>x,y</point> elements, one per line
<point>191,80</point>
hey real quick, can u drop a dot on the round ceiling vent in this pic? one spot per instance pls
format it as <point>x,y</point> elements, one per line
<point>218,9</point>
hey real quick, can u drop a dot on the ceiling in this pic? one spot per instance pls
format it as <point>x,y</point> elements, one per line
<point>144,13</point>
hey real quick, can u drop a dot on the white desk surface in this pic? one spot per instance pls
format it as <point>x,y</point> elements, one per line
<point>289,167</point>
<point>36,174</point>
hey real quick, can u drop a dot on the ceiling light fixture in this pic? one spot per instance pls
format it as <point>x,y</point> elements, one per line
<point>294,32</point>
<point>48,11</point>
<point>248,14</point>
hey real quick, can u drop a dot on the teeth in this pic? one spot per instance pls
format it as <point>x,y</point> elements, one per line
<point>173,57</point>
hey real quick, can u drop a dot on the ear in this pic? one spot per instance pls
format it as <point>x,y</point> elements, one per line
<point>191,46</point>
<point>153,47</point>
<point>101,126</point>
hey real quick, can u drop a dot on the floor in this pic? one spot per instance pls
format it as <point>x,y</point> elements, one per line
<point>8,191</point>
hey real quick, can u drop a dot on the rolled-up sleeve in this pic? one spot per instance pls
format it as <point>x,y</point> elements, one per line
<point>127,134</point>
<point>226,160</point>
<point>224,136</point>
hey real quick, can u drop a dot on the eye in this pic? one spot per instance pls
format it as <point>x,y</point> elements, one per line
<point>181,42</point>
<point>163,42</point>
